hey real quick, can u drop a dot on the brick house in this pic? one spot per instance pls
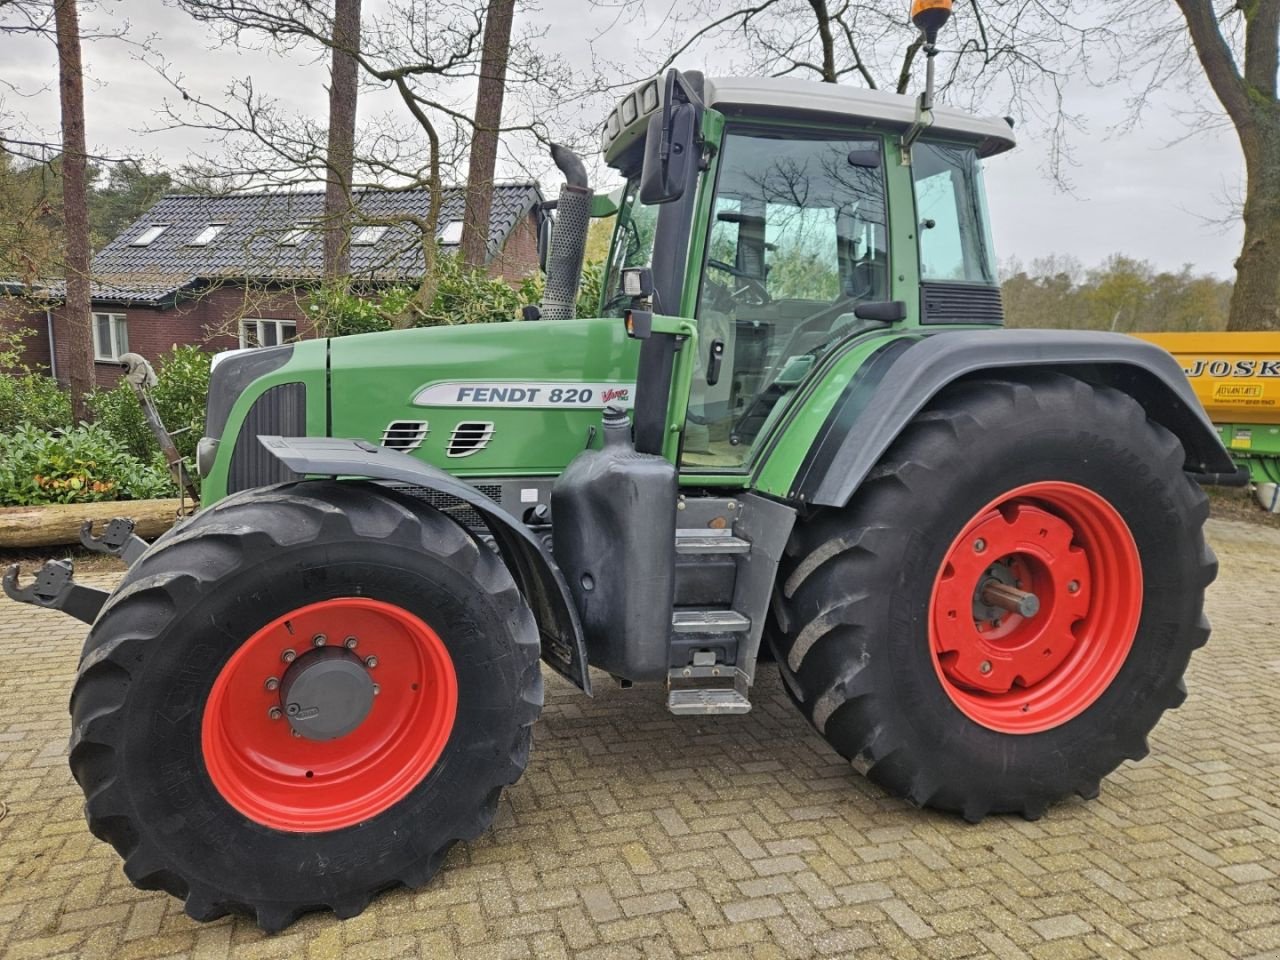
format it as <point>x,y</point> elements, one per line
<point>223,272</point>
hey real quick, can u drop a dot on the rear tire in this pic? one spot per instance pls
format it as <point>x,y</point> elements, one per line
<point>860,617</point>
<point>165,702</point>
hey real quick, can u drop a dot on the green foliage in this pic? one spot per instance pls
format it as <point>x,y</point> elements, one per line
<point>179,394</point>
<point>1123,294</point>
<point>128,193</point>
<point>26,396</point>
<point>83,465</point>
<point>462,296</point>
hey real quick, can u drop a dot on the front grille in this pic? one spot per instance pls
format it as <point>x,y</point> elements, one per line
<point>960,303</point>
<point>405,435</point>
<point>460,510</point>
<point>279,412</point>
<point>469,437</point>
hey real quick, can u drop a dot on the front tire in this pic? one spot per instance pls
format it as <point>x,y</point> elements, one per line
<point>303,696</point>
<point>888,647</point>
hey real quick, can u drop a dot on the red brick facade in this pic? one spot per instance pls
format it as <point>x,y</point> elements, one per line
<point>210,318</point>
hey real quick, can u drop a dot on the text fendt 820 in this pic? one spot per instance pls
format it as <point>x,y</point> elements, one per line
<point>796,433</point>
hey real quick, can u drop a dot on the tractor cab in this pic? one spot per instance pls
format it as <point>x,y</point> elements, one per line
<point>787,217</point>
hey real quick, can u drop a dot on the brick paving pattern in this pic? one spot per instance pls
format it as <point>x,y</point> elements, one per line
<point>637,834</point>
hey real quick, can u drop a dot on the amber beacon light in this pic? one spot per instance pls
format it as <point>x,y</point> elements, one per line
<point>930,16</point>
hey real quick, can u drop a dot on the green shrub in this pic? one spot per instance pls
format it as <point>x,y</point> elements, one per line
<point>26,396</point>
<point>463,296</point>
<point>83,465</point>
<point>179,394</point>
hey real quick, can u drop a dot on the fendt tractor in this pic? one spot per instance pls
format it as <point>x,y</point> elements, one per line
<point>796,432</point>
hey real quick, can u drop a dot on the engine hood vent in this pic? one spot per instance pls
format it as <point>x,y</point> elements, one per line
<point>469,437</point>
<point>405,435</point>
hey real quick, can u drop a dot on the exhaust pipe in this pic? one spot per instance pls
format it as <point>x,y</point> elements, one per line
<point>569,239</point>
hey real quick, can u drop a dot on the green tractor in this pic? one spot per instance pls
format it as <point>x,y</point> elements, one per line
<point>795,434</point>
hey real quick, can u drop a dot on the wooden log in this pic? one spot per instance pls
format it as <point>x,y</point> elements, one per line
<point>59,523</point>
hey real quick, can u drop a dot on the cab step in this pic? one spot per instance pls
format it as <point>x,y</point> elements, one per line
<point>688,701</point>
<point>709,621</point>
<point>703,542</point>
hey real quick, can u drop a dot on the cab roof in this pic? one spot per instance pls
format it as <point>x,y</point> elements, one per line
<point>806,100</point>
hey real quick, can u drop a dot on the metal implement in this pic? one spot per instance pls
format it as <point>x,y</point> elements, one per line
<point>117,540</point>
<point>55,589</point>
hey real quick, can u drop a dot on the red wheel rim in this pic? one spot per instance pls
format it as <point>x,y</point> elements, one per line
<point>302,785</point>
<point>1073,551</point>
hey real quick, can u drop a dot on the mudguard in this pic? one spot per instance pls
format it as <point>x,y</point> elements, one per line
<point>900,379</point>
<point>541,583</point>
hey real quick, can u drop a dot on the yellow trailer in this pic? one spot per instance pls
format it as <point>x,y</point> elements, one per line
<point>1237,378</point>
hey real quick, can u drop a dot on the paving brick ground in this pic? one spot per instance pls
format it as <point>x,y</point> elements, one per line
<point>636,834</point>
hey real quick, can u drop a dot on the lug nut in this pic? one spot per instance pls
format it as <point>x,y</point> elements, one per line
<point>376,689</point>
<point>295,733</point>
<point>979,545</point>
<point>370,662</point>
<point>274,713</point>
<point>1073,586</point>
<point>272,683</point>
<point>319,640</point>
<point>293,709</point>
<point>349,643</point>
<point>288,656</point>
<point>984,667</point>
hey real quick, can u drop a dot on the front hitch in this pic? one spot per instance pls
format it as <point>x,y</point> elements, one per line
<point>54,588</point>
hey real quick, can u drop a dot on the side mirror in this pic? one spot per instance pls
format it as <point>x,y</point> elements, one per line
<point>544,242</point>
<point>670,144</point>
<point>884,311</point>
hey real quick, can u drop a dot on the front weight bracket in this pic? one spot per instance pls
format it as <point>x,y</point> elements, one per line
<point>54,588</point>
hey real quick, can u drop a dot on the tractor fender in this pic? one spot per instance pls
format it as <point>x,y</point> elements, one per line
<point>898,380</point>
<point>539,580</point>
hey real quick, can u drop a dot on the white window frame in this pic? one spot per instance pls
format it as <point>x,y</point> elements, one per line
<point>258,323</point>
<point>208,234</point>
<point>149,235</point>
<point>451,233</point>
<point>118,340</point>
<point>299,233</point>
<point>367,236</point>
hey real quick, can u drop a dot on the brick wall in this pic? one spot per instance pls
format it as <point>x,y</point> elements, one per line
<point>18,316</point>
<point>518,257</point>
<point>210,320</point>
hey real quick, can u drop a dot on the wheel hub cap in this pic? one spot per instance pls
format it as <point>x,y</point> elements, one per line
<point>326,693</point>
<point>1035,607</point>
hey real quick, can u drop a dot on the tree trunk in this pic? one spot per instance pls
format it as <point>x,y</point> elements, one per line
<point>75,209</point>
<point>59,523</point>
<point>343,83</point>
<point>488,121</point>
<point>1255,302</point>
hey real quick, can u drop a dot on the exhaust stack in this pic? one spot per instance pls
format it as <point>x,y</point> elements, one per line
<point>569,239</point>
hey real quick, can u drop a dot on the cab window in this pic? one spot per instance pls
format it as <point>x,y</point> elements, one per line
<point>797,237</point>
<point>954,229</point>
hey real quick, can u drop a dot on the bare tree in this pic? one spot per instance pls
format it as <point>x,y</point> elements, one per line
<point>484,141</point>
<point>75,208</point>
<point>428,54</point>
<point>1243,77</point>
<point>344,82</point>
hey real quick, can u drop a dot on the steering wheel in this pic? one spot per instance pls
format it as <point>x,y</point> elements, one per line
<point>753,285</point>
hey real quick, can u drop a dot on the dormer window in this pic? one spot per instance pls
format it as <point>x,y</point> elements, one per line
<point>205,236</point>
<point>148,236</point>
<point>452,233</point>
<point>298,233</point>
<point>367,236</point>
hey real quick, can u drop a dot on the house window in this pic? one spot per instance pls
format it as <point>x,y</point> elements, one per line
<point>205,236</point>
<point>452,233</point>
<point>147,236</point>
<point>367,236</point>
<point>110,336</point>
<point>267,333</point>
<point>298,233</point>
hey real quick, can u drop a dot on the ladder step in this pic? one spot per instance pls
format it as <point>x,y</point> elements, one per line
<point>709,621</point>
<point>686,701</point>
<point>704,541</point>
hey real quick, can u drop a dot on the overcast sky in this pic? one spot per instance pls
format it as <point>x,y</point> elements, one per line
<point>1151,194</point>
